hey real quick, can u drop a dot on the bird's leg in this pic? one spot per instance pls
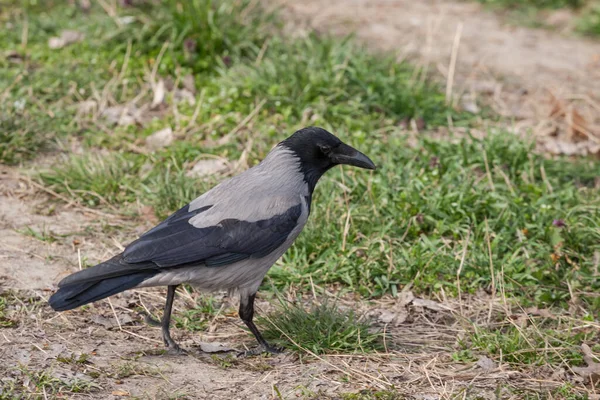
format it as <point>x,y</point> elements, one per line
<point>169,342</point>
<point>246,313</point>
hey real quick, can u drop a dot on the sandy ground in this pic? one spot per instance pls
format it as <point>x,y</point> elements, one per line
<point>514,70</point>
<point>546,82</point>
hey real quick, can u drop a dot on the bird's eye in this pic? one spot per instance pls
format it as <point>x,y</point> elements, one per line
<point>325,148</point>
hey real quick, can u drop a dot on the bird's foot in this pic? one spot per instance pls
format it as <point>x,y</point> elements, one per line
<point>260,349</point>
<point>173,347</point>
<point>176,350</point>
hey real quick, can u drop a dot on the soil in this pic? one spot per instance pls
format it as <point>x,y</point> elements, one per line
<point>513,69</point>
<point>546,82</point>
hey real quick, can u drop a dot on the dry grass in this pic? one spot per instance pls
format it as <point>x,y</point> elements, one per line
<point>426,353</point>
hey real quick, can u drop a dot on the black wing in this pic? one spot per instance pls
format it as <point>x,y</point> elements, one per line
<point>177,242</point>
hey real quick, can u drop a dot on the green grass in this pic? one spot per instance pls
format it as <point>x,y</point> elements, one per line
<point>328,80</point>
<point>531,12</point>
<point>5,320</point>
<point>589,22</point>
<point>373,395</point>
<point>528,226</point>
<point>197,317</point>
<point>323,328</point>
<point>44,235</point>
<point>43,382</point>
<point>546,342</point>
<point>427,200</point>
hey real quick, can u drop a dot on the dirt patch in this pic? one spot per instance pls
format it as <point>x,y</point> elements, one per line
<point>547,82</point>
<point>42,240</point>
<point>90,349</point>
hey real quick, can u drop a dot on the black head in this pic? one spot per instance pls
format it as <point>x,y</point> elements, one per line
<point>319,151</point>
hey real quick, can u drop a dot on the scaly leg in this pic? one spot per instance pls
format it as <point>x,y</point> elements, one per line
<point>246,314</point>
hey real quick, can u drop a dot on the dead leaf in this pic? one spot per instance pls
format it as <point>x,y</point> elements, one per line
<point>469,104</point>
<point>120,393</point>
<point>543,312</point>
<point>86,107</point>
<point>486,364</point>
<point>405,297</point>
<point>386,316</point>
<point>430,304</point>
<point>109,323</point>
<point>209,166</point>
<point>215,347</point>
<point>159,94</point>
<point>160,139</point>
<point>577,126</point>
<point>184,95</point>
<point>121,115</point>
<point>592,371</point>
<point>66,38</point>
<point>189,83</point>
<point>54,351</point>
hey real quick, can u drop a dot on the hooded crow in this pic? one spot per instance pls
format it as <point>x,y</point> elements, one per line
<point>226,239</point>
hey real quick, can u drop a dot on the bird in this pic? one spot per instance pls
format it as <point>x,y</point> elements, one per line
<point>225,239</point>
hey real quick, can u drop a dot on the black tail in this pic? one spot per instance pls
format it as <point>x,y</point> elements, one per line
<point>96,283</point>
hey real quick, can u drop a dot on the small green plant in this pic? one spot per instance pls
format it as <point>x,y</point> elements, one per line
<point>224,362</point>
<point>44,382</point>
<point>373,395</point>
<point>22,133</point>
<point>74,359</point>
<point>323,328</point>
<point>132,368</point>
<point>44,235</point>
<point>544,344</point>
<point>5,320</point>
<point>96,180</point>
<point>197,318</point>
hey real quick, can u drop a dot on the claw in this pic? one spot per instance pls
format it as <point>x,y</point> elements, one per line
<point>173,348</point>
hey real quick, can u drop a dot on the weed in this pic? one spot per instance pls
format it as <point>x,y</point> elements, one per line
<point>5,320</point>
<point>324,328</point>
<point>540,343</point>
<point>43,381</point>
<point>131,368</point>
<point>372,395</point>
<point>224,362</point>
<point>45,235</point>
<point>21,135</point>
<point>75,359</point>
<point>197,318</point>
<point>96,180</point>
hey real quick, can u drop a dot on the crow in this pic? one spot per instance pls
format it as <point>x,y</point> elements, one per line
<point>227,238</point>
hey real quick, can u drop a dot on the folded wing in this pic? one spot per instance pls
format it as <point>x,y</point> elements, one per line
<point>177,242</point>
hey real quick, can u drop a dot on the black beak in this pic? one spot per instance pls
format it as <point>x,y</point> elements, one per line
<point>344,154</point>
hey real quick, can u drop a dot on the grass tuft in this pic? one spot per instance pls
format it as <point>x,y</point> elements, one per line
<point>197,318</point>
<point>96,180</point>
<point>323,328</point>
